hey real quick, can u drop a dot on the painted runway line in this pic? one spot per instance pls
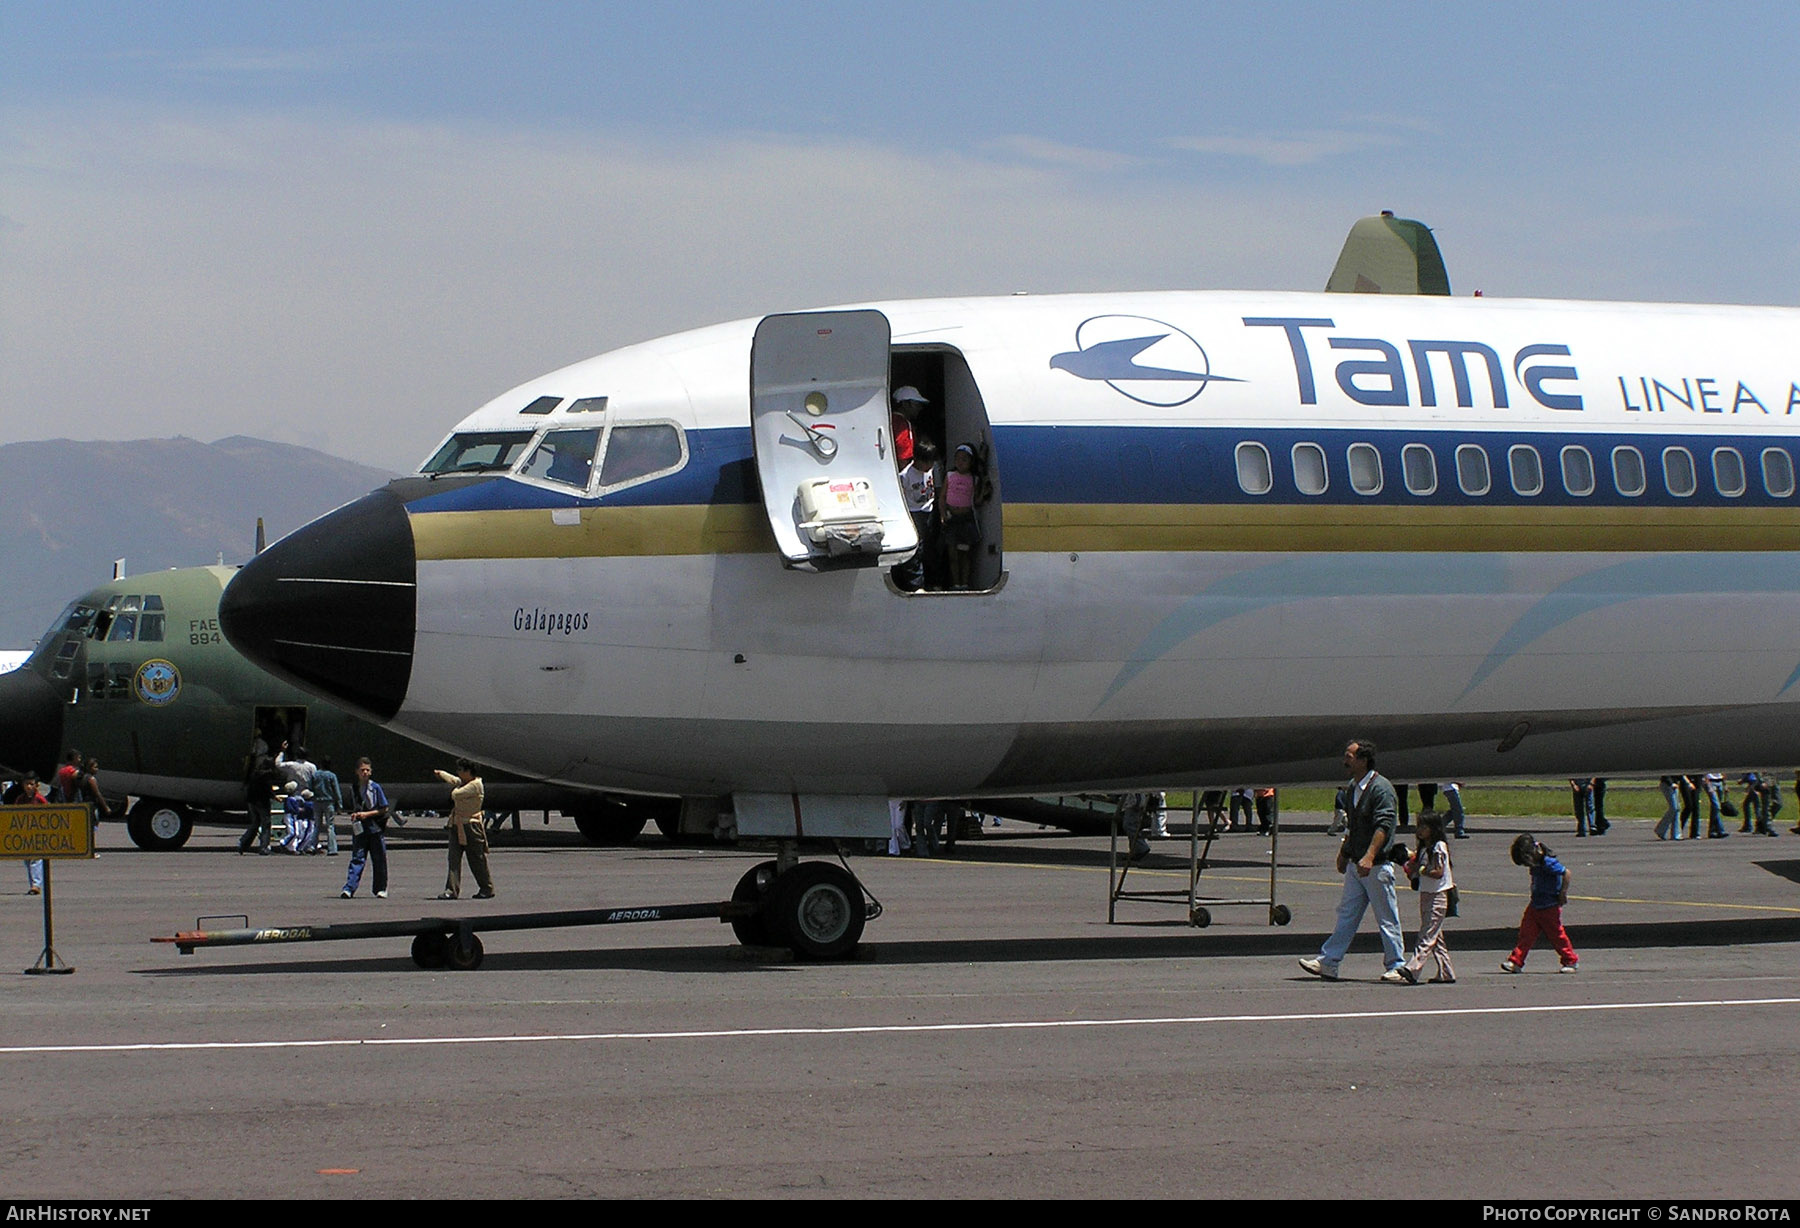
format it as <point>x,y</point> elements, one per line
<point>887,1029</point>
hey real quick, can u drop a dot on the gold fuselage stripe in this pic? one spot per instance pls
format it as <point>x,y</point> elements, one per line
<point>692,529</point>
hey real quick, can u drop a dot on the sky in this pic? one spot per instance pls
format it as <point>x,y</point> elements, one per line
<point>348,224</point>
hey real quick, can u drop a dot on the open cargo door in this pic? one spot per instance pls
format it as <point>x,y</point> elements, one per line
<point>824,452</point>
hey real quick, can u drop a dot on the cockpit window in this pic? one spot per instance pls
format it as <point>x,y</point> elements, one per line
<point>565,457</point>
<point>641,451</point>
<point>152,621</point>
<point>542,405</point>
<point>478,452</point>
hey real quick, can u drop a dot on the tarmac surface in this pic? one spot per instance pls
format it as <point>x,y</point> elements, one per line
<point>994,1038</point>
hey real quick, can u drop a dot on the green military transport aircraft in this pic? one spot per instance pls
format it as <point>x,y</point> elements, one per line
<point>137,674</point>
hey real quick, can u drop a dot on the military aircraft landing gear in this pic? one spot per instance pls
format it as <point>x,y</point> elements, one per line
<point>609,822</point>
<point>158,826</point>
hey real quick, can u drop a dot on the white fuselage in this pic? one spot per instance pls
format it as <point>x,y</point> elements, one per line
<point>1223,550</point>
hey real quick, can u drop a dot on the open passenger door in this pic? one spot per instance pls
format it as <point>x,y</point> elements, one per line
<point>824,452</point>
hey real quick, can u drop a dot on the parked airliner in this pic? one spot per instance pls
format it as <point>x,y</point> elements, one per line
<point>1215,534</point>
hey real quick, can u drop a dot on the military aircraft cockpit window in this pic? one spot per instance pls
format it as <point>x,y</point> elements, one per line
<point>477,452</point>
<point>79,617</point>
<point>565,457</point>
<point>96,680</point>
<point>65,658</point>
<point>118,679</point>
<point>635,453</point>
<point>124,628</point>
<point>152,621</point>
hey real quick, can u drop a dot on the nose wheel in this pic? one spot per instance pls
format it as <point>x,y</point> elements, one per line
<point>815,908</point>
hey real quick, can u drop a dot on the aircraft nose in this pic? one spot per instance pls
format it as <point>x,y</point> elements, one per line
<point>331,606</point>
<point>30,722</point>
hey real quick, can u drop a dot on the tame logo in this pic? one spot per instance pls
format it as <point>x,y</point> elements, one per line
<point>1147,360</point>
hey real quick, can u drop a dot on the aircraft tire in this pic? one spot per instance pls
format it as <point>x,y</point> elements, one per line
<point>755,931</point>
<point>157,826</point>
<point>428,950</point>
<point>817,908</point>
<point>608,823</point>
<point>1279,914</point>
<point>456,957</point>
<point>1200,918</point>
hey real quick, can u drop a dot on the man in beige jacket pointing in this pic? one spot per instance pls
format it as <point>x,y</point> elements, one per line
<point>468,832</point>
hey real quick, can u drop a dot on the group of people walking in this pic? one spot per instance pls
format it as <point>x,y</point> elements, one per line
<point>1368,863</point>
<point>1682,794</point>
<point>312,800</point>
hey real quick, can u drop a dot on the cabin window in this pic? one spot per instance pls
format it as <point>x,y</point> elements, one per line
<point>1472,469</point>
<point>542,405</point>
<point>1254,473</point>
<point>1419,466</point>
<point>1310,476</point>
<point>1778,472</point>
<point>638,453</point>
<point>477,452</point>
<point>1728,472</point>
<point>1678,472</point>
<point>1527,469</point>
<point>1628,471</point>
<point>565,457</point>
<point>1365,468</point>
<point>1577,470</point>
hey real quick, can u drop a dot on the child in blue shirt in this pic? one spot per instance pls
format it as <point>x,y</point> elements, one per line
<point>1543,915</point>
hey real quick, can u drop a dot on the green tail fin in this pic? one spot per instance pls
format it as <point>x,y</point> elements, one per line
<point>1389,255</point>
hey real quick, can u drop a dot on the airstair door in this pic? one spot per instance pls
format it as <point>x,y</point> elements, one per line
<point>824,450</point>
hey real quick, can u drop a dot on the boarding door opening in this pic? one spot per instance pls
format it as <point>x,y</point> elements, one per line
<point>275,725</point>
<point>824,450</point>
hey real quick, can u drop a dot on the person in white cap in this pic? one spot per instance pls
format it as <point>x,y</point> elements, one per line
<point>907,400</point>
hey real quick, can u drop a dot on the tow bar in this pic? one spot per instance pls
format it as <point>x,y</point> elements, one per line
<point>451,942</point>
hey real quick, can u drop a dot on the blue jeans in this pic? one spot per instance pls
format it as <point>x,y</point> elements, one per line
<point>1359,893</point>
<point>368,846</point>
<point>1669,826</point>
<point>1456,820</point>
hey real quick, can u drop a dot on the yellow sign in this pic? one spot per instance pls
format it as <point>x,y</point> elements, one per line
<point>30,832</point>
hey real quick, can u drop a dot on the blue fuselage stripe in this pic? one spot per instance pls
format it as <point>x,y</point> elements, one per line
<point>1198,465</point>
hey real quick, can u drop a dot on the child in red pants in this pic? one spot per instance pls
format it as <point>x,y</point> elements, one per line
<point>1543,916</point>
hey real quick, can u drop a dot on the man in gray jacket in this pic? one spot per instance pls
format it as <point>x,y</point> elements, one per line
<point>1368,874</point>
